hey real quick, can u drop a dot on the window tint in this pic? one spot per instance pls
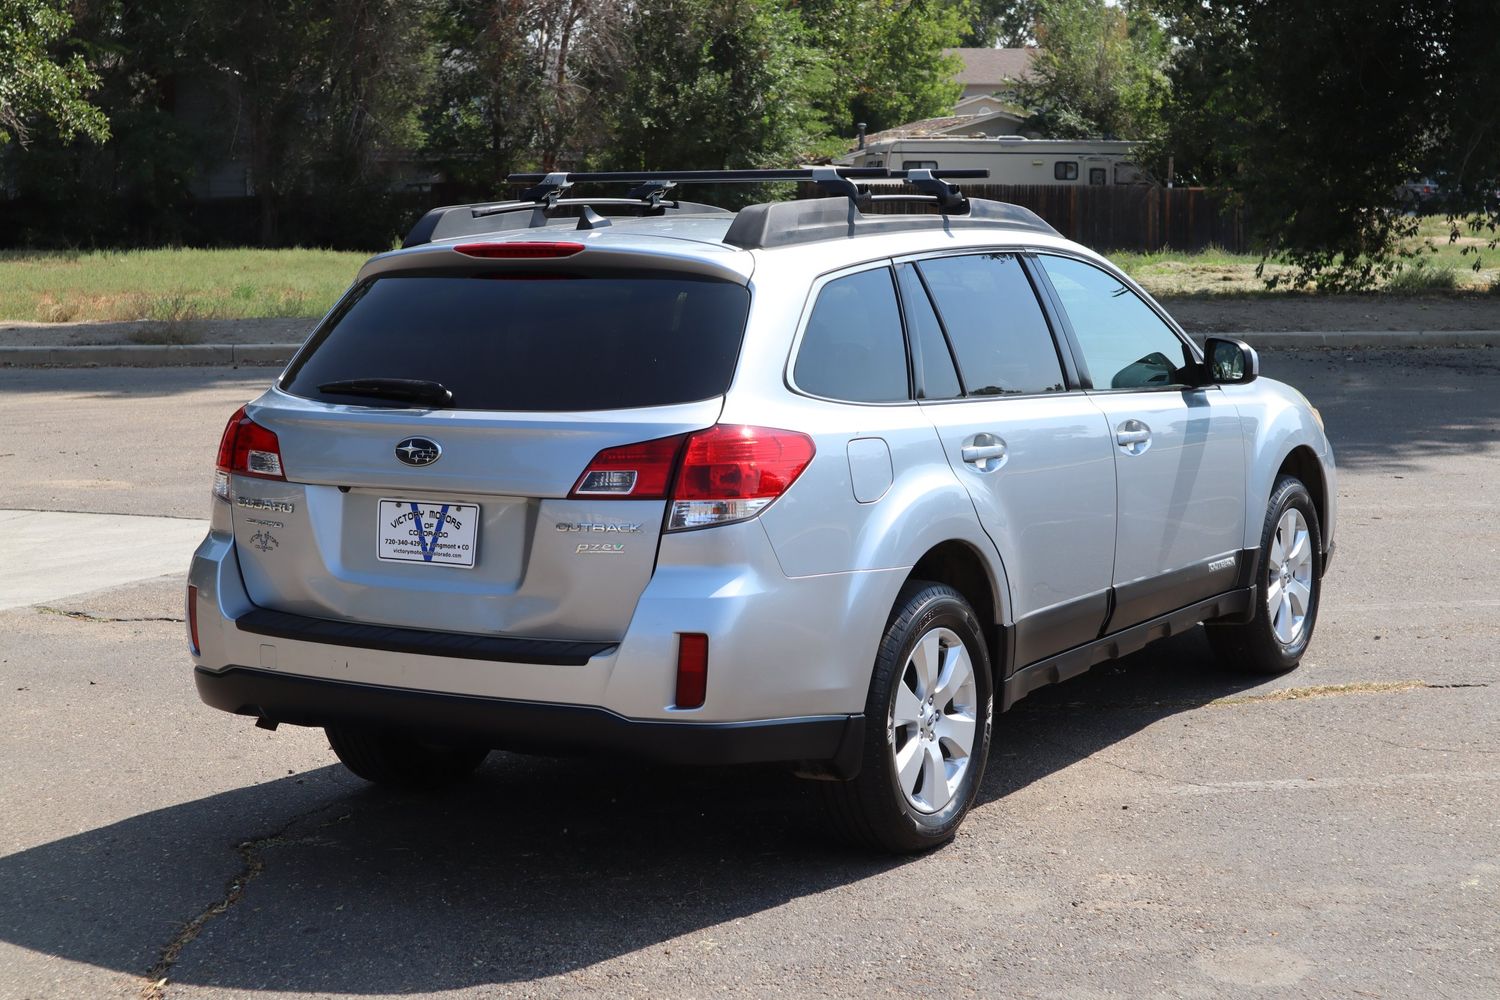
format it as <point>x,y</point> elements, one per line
<point>995,324</point>
<point>1124,343</point>
<point>1097,175</point>
<point>1065,170</point>
<point>919,164</point>
<point>529,343</point>
<point>932,364</point>
<point>853,348</point>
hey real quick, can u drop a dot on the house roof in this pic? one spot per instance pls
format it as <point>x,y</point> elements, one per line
<point>992,66</point>
<point>946,125</point>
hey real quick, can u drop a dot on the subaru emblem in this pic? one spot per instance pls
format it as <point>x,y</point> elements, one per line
<point>418,451</point>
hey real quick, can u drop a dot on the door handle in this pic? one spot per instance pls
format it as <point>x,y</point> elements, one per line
<point>1133,437</point>
<point>984,451</point>
<point>980,452</point>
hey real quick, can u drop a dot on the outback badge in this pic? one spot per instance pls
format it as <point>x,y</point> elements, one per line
<point>419,451</point>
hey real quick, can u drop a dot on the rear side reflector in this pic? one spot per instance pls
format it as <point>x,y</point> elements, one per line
<point>519,251</point>
<point>192,620</point>
<point>246,449</point>
<point>692,669</point>
<point>631,472</point>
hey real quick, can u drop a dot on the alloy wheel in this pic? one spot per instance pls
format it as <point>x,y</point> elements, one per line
<point>933,718</point>
<point>1289,593</point>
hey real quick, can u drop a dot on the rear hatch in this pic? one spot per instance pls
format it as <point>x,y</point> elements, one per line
<point>472,515</point>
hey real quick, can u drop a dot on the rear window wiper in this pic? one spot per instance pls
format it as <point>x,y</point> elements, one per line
<point>415,390</point>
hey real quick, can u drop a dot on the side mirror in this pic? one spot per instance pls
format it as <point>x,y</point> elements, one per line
<point>1229,362</point>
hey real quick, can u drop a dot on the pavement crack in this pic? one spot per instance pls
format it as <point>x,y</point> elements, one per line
<point>252,864</point>
<point>1414,746</point>
<point>84,616</point>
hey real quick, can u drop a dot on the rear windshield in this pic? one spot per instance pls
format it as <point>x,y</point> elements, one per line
<point>547,343</point>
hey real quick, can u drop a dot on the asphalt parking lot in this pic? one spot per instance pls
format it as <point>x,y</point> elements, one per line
<point>1158,828</point>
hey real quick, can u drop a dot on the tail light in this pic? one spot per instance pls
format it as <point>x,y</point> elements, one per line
<point>732,473</point>
<point>246,449</point>
<point>692,670</point>
<point>632,472</point>
<point>714,476</point>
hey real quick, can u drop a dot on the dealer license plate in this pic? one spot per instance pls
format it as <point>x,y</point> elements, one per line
<point>427,531</point>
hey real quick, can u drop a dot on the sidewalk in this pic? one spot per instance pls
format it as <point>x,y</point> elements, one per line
<point>236,355</point>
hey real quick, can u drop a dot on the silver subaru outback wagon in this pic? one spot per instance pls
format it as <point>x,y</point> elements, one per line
<point>802,484</point>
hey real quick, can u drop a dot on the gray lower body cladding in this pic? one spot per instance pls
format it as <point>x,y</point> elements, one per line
<point>530,726</point>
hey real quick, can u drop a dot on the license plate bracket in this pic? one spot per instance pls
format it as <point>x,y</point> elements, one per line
<point>434,532</point>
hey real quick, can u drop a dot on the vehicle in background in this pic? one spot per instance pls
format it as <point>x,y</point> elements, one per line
<point>1009,159</point>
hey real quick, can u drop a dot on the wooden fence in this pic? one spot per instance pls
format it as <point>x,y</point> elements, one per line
<point>1125,217</point>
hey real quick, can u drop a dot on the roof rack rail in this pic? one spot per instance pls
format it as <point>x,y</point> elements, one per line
<point>765,225</point>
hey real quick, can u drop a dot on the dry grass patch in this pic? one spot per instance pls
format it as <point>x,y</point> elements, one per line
<point>172,286</point>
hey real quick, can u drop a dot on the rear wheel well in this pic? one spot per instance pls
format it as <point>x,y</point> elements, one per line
<point>960,567</point>
<point>1303,463</point>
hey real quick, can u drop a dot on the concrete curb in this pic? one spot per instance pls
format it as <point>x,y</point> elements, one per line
<point>1366,339</point>
<point>163,355</point>
<point>147,355</point>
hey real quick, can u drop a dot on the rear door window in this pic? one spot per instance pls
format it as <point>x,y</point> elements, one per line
<point>540,343</point>
<point>995,324</point>
<point>853,348</point>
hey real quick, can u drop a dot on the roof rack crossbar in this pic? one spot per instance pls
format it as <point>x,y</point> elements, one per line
<point>834,180</point>
<point>500,208</point>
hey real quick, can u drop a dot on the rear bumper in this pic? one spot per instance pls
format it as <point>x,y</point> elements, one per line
<point>830,743</point>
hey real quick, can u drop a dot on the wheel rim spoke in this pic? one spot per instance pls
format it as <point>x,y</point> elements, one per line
<point>935,779</point>
<point>909,761</point>
<point>908,707</point>
<point>956,732</point>
<point>927,659</point>
<point>1273,592</point>
<point>1300,596</point>
<point>957,672</point>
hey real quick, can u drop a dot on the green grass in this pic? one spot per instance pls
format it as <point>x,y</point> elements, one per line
<point>1444,269</point>
<point>171,286</point>
<point>175,288</point>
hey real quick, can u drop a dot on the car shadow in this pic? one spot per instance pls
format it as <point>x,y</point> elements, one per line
<point>1391,410</point>
<point>537,867</point>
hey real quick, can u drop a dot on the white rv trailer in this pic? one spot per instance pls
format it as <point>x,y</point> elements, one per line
<point>1010,159</point>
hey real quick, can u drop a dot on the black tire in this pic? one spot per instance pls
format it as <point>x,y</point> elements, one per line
<point>400,761</point>
<point>872,810</point>
<point>1253,646</point>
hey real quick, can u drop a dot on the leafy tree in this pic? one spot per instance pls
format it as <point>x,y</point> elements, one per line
<point>1004,23</point>
<point>523,83</point>
<point>1314,115</point>
<point>326,91</point>
<point>884,59</point>
<point>1100,71</point>
<point>34,84</point>
<point>717,84</point>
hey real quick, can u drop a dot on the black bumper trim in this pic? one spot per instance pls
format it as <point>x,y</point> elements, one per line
<point>541,727</point>
<point>504,649</point>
